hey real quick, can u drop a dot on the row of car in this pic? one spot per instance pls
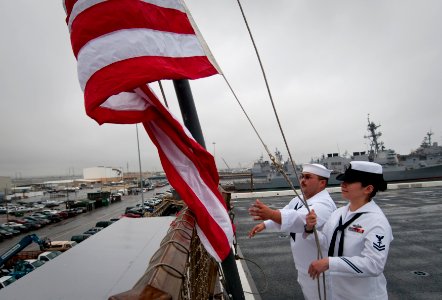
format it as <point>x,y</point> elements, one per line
<point>131,212</point>
<point>100,225</point>
<point>149,205</point>
<point>35,221</point>
<point>17,210</point>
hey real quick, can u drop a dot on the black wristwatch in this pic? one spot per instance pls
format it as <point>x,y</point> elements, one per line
<point>307,231</point>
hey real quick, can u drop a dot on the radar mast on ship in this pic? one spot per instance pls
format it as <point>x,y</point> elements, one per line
<point>375,145</point>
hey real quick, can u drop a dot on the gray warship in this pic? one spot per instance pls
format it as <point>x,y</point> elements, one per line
<point>424,163</point>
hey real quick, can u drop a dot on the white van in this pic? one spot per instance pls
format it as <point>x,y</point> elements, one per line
<point>61,245</point>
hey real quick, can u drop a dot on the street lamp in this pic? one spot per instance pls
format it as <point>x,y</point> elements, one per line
<point>141,176</point>
<point>213,149</point>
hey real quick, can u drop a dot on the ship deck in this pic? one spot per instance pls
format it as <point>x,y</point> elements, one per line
<point>106,264</point>
<point>414,266</point>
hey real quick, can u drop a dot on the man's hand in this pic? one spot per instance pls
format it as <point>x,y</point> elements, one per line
<point>317,267</point>
<point>258,228</point>
<point>310,220</point>
<point>260,212</point>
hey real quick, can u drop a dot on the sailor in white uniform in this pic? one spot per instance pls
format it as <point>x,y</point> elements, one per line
<point>357,237</point>
<point>291,219</point>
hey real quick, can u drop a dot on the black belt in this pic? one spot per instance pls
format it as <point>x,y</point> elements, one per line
<point>341,227</point>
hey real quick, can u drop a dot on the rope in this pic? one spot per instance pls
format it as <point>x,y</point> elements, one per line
<point>284,138</point>
<point>266,283</point>
<point>274,110</point>
<point>245,113</point>
<point>162,93</point>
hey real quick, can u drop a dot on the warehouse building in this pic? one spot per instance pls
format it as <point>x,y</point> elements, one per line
<point>5,186</point>
<point>103,174</point>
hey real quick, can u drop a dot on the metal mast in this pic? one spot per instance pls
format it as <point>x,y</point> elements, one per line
<point>375,144</point>
<point>191,121</point>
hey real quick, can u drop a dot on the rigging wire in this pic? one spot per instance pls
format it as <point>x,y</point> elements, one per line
<point>271,100</point>
<point>274,160</point>
<point>163,94</point>
<point>285,142</point>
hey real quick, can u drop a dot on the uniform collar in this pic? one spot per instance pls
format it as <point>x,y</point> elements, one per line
<point>367,207</point>
<point>320,194</point>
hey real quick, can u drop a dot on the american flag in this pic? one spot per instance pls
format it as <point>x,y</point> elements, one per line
<point>121,46</point>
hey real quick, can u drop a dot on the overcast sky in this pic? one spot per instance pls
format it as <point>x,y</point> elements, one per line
<point>329,65</point>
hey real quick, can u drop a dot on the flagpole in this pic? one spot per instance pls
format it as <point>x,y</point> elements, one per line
<point>141,176</point>
<point>191,121</point>
<point>188,110</point>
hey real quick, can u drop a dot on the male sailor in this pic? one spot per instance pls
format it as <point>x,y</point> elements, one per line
<point>291,219</point>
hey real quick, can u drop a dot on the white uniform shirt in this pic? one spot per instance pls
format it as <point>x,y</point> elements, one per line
<point>293,220</point>
<point>358,274</point>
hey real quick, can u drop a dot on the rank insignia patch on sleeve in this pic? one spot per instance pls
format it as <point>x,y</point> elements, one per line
<point>378,246</point>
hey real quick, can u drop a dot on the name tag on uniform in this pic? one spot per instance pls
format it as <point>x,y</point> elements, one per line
<point>356,228</point>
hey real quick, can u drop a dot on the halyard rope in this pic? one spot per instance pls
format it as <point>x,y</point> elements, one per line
<point>285,142</point>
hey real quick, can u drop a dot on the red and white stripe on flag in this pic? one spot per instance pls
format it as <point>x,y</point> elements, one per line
<point>120,46</point>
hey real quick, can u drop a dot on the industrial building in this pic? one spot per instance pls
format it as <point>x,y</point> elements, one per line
<point>5,186</point>
<point>103,174</point>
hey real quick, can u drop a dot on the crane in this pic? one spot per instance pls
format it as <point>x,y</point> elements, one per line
<point>226,164</point>
<point>23,243</point>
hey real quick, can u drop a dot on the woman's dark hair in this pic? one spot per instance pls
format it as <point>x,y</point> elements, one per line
<point>377,186</point>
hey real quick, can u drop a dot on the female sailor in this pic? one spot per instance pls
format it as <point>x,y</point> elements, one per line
<point>355,265</point>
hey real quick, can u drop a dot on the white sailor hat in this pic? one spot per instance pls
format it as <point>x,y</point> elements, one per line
<point>364,171</point>
<point>316,169</point>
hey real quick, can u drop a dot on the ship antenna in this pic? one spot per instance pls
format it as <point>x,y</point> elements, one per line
<point>375,144</point>
<point>429,134</point>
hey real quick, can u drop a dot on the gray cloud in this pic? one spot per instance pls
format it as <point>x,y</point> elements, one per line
<point>329,64</point>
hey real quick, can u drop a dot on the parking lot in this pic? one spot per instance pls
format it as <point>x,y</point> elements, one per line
<point>66,228</point>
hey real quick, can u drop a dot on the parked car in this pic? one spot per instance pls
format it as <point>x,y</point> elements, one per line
<point>80,237</point>
<point>48,255</point>
<point>23,267</point>
<point>131,215</point>
<point>31,224</point>
<point>80,210</point>
<point>103,224</point>
<point>63,214</point>
<point>140,211</point>
<point>10,229</point>
<point>54,218</point>
<point>40,221</point>
<point>61,245</point>
<point>48,212</point>
<point>93,230</point>
<point>17,226</point>
<point>128,208</point>
<point>70,212</point>
<point>6,280</point>
<point>6,234</point>
<point>44,217</point>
